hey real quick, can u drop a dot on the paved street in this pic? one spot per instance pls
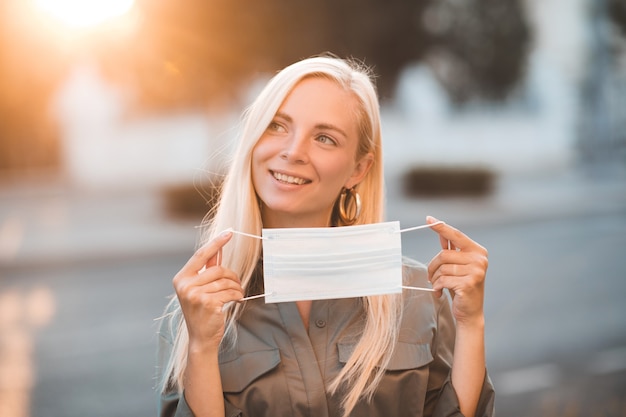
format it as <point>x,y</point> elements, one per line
<point>82,308</point>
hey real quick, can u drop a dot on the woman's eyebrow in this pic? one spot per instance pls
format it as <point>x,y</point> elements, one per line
<point>328,126</point>
<point>284,116</point>
<point>319,126</point>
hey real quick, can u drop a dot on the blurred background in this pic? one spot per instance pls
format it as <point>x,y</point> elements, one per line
<point>506,119</point>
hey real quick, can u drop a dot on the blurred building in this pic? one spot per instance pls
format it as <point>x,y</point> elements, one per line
<point>103,147</point>
<point>545,124</point>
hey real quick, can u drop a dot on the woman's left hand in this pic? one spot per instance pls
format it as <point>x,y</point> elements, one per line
<point>460,267</point>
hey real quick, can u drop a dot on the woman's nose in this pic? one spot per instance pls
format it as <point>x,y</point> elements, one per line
<point>296,150</point>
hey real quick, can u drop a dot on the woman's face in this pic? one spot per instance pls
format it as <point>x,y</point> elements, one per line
<point>307,155</point>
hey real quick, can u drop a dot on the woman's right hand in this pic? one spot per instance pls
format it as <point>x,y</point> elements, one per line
<point>203,293</point>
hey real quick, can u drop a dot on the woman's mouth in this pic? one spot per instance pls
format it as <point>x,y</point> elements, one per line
<point>288,179</point>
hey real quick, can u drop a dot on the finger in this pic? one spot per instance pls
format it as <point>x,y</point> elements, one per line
<point>215,273</point>
<point>220,285</point>
<point>229,297</point>
<point>451,282</point>
<point>472,274</point>
<point>449,257</point>
<point>208,293</point>
<point>444,242</point>
<point>452,271</point>
<point>218,258</point>
<point>206,254</point>
<point>448,233</point>
<point>460,285</point>
<point>213,300</point>
<point>438,290</point>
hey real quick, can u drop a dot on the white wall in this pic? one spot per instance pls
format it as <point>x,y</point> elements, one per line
<point>102,148</point>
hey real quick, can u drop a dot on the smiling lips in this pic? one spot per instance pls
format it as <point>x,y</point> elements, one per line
<point>288,179</point>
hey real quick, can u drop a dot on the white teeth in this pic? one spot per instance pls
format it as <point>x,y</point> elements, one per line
<point>288,178</point>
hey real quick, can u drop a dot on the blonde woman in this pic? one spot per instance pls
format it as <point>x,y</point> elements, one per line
<point>309,154</point>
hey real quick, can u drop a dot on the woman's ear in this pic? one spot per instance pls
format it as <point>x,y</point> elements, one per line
<point>361,169</point>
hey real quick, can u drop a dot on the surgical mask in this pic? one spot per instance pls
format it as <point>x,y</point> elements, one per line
<point>332,262</point>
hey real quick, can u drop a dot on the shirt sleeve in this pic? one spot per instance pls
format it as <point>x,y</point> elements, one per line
<point>175,405</point>
<point>448,403</point>
<point>171,402</point>
<point>441,398</point>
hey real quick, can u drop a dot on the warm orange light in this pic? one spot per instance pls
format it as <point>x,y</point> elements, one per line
<point>82,13</point>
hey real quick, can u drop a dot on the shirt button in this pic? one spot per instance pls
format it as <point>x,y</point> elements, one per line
<point>320,323</point>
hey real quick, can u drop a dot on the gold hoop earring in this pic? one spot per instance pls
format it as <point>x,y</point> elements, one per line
<point>345,203</point>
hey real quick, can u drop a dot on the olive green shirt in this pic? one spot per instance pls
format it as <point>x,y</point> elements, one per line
<point>277,368</point>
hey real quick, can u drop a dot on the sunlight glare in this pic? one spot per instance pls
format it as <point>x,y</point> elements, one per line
<point>81,13</point>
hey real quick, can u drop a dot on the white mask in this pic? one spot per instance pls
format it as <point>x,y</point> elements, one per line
<point>332,262</point>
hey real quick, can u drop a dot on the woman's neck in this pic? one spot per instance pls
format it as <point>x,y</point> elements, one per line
<point>281,220</point>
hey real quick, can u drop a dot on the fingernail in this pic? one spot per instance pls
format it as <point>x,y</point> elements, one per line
<point>226,232</point>
<point>433,221</point>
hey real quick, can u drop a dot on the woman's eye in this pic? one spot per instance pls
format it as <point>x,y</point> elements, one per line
<point>276,127</point>
<point>326,140</point>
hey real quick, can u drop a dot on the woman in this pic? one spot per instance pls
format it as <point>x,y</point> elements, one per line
<point>310,156</point>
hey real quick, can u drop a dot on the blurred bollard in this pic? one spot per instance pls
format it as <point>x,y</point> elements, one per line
<point>448,182</point>
<point>185,201</point>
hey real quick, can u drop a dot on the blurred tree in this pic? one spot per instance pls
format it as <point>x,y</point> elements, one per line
<point>198,52</point>
<point>479,47</point>
<point>617,12</point>
<point>387,35</point>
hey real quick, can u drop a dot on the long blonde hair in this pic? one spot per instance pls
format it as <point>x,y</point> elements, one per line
<point>239,208</point>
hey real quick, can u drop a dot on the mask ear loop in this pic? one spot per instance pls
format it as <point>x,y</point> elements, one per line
<point>406,287</point>
<point>424,226</point>
<point>252,297</point>
<point>230,229</point>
